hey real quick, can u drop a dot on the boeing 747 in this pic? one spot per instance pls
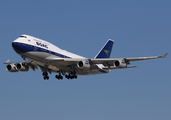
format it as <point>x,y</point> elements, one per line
<point>50,58</point>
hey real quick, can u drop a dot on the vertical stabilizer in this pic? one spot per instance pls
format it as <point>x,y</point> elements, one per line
<point>106,50</point>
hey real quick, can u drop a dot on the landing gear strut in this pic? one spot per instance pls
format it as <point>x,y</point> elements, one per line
<point>45,76</point>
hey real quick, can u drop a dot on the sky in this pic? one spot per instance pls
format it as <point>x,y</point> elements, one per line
<point>138,28</point>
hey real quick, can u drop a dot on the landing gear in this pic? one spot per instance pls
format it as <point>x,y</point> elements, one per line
<point>45,76</point>
<point>71,75</point>
<point>59,76</point>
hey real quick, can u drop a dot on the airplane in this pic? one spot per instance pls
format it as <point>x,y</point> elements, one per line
<point>51,59</point>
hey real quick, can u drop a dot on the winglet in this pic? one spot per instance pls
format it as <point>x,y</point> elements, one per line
<point>163,55</point>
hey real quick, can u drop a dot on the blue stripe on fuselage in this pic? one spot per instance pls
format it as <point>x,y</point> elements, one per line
<point>23,48</point>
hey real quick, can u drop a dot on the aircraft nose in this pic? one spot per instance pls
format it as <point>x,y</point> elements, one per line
<point>16,47</point>
<point>13,45</point>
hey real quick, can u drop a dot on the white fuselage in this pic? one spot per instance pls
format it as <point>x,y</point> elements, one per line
<point>39,51</point>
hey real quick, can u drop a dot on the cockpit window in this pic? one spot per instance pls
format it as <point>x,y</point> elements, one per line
<point>23,36</point>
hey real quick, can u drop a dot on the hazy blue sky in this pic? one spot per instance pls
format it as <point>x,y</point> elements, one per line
<point>139,28</point>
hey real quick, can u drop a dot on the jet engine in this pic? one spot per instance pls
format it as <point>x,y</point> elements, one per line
<point>11,68</point>
<point>120,63</point>
<point>83,64</point>
<point>22,66</point>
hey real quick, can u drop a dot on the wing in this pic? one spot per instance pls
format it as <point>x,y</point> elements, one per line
<point>102,61</point>
<point>146,58</point>
<point>121,62</point>
<point>108,63</point>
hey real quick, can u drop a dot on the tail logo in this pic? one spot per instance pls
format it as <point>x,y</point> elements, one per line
<point>107,52</point>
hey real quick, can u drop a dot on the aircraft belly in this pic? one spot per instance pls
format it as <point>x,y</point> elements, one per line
<point>37,57</point>
<point>40,55</point>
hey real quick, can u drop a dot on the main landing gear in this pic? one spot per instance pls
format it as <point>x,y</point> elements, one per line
<point>71,75</point>
<point>45,76</point>
<point>59,76</point>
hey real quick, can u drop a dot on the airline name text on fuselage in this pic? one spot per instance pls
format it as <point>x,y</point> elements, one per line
<point>42,45</point>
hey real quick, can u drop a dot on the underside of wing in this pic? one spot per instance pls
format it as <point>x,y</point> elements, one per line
<point>121,62</point>
<point>146,58</point>
<point>112,68</point>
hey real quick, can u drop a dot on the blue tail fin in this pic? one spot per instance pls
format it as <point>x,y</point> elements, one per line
<point>106,50</point>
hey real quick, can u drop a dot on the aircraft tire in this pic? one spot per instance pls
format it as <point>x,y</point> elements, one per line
<point>44,73</point>
<point>46,77</point>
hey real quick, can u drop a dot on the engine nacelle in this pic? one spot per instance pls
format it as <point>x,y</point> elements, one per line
<point>120,63</point>
<point>11,68</point>
<point>22,66</point>
<point>83,64</point>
